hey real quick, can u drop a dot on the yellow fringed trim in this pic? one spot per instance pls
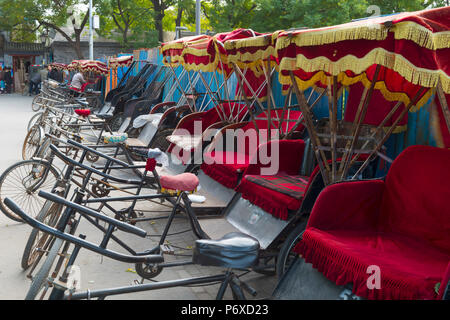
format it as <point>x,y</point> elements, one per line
<point>380,85</point>
<point>259,41</point>
<point>322,36</point>
<point>348,81</point>
<point>424,37</point>
<point>250,60</point>
<point>419,76</point>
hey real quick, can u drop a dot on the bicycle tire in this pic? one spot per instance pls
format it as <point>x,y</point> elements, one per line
<point>44,151</point>
<point>36,118</point>
<point>16,169</point>
<point>31,143</point>
<point>48,215</point>
<point>42,275</point>
<point>291,240</point>
<point>36,103</point>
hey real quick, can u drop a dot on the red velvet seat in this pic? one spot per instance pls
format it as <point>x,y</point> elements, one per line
<point>226,167</point>
<point>401,225</point>
<point>206,119</point>
<point>290,162</point>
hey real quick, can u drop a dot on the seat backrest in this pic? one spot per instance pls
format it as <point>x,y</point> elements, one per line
<point>416,201</point>
<point>147,133</point>
<point>288,119</point>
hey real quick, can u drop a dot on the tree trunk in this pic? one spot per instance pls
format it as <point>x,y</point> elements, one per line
<point>179,17</point>
<point>158,16</point>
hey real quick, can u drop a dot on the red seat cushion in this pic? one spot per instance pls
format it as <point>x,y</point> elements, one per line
<point>409,267</point>
<point>83,112</point>
<point>401,225</point>
<point>225,167</point>
<point>272,201</point>
<point>182,182</point>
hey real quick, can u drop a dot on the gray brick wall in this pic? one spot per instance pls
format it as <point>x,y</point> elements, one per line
<point>64,53</point>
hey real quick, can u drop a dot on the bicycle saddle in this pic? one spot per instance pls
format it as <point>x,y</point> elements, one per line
<point>235,250</point>
<point>183,182</point>
<point>83,112</point>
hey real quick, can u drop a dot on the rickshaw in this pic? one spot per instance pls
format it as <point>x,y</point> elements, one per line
<point>351,135</point>
<point>359,230</point>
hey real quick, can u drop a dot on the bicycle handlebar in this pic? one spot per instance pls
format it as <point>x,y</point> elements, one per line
<point>79,145</point>
<point>72,162</point>
<point>153,258</point>
<point>82,209</point>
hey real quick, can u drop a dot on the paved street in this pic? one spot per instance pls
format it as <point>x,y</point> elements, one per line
<point>96,272</point>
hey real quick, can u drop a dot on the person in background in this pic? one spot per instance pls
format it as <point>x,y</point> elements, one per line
<point>44,73</point>
<point>35,81</point>
<point>54,74</point>
<point>66,76</point>
<point>77,81</point>
<point>8,80</point>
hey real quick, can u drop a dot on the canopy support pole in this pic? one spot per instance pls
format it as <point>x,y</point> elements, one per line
<point>247,102</point>
<point>391,129</point>
<point>315,141</point>
<point>208,89</point>
<point>444,105</point>
<point>357,123</point>
<point>332,110</point>
<point>301,119</point>
<point>181,87</point>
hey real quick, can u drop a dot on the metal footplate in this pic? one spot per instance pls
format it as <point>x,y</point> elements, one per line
<point>167,249</point>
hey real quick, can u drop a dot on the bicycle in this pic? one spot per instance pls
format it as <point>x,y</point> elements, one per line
<point>233,251</point>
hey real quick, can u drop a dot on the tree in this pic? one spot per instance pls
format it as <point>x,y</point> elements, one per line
<point>132,20</point>
<point>159,10</point>
<point>389,6</point>
<point>33,15</point>
<point>226,15</point>
<point>288,13</point>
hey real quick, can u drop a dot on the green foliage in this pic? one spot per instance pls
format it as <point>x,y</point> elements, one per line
<point>272,15</point>
<point>129,22</point>
<point>288,13</point>
<point>226,15</point>
<point>139,23</point>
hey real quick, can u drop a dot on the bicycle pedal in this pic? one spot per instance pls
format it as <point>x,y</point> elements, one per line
<point>167,249</point>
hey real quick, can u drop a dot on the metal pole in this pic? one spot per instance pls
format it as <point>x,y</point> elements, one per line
<point>91,33</point>
<point>198,29</point>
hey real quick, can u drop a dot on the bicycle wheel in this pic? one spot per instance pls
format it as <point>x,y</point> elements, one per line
<point>37,103</point>
<point>34,249</point>
<point>39,285</point>
<point>22,181</point>
<point>44,151</point>
<point>34,119</point>
<point>31,143</point>
<point>286,256</point>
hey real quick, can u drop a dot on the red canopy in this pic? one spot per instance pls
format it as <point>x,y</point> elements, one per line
<point>89,66</point>
<point>58,66</point>
<point>124,61</point>
<point>410,46</point>
<point>210,54</point>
